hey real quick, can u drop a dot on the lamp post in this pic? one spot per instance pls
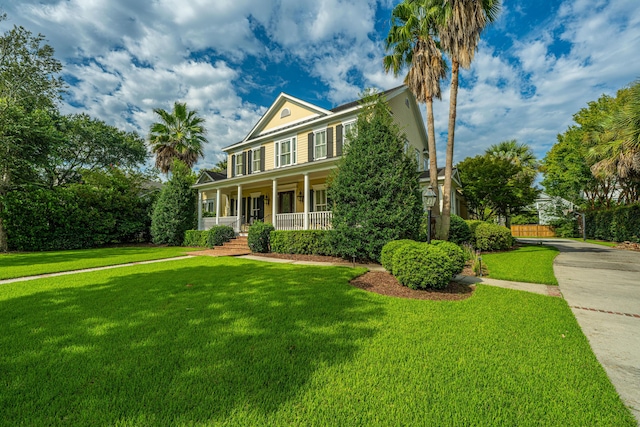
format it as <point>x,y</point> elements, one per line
<point>428,200</point>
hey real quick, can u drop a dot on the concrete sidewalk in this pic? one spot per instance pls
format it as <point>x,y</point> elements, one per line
<point>535,288</point>
<point>602,287</point>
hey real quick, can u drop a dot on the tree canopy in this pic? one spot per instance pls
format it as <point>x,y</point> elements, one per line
<point>375,189</point>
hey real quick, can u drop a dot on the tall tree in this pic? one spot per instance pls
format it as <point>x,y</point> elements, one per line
<point>517,153</point>
<point>180,134</point>
<point>411,43</point>
<point>375,189</point>
<point>459,30</point>
<point>29,91</point>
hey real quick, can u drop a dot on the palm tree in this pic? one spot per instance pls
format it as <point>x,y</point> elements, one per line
<point>518,154</point>
<point>412,44</point>
<point>178,135</point>
<point>459,32</point>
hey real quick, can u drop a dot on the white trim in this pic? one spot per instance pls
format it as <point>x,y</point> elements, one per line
<point>255,195</point>
<point>287,187</point>
<point>293,150</point>
<point>315,142</point>
<point>253,159</point>
<point>238,155</point>
<point>319,187</point>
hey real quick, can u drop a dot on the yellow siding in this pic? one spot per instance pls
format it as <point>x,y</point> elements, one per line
<point>298,112</point>
<point>405,118</point>
<point>268,155</point>
<point>303,146</point>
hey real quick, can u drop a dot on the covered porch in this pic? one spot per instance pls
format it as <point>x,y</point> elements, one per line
<point>293,201</point>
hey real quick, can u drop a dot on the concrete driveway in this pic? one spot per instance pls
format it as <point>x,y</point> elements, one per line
<point>602,287</point>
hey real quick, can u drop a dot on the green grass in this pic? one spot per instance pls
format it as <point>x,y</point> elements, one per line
<point>224,341</point>
<point>596,242</point>
<point>19,264</point>
<point>531,264</point>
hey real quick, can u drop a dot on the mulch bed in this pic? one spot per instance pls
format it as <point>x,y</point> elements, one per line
<point>384,283</point>
<point>629,246</point>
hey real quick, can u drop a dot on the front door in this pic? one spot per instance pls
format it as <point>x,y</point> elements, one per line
<point>286,201</point>
<point>257,208</point>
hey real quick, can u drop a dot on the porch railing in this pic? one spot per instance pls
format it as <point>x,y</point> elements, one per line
<point>295,221</point>
<point>231,221</point>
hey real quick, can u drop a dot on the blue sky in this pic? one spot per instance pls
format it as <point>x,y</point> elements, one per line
<point>536,66</point>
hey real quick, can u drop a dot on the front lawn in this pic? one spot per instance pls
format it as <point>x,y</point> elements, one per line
<point>18,264</point>
<point>531,264</point>
<point>225,341</point>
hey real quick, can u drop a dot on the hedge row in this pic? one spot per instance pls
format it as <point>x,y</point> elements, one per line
<point>488,236</point>
<point>306,242</point>
<point>419,265</point>
<point>215,236</point>
<point>260,236</point>
<point>618,224</point>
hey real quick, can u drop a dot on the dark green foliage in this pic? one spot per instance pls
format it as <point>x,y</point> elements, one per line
<point>473,224</point>
<point>259,236</point>
<point>422,266</point>
<point>389,251</point>
<point>375,189</point>
<point>109,207</point>
<point>496,186</point>
<point>493,237</point>
<point>618,224</point>
<point>529,216</point>
<point>455,252</point>
<point>195,238</point>
<point>219,234</point>
<point>175,210</point>
<point>459,231</point>
<point>306,242</point>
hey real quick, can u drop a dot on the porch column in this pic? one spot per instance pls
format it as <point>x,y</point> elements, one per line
<point>274,201</point>
<point>306,201</point>
<point>218,206</point>
<point>200,225</point>
<point>239,205</point>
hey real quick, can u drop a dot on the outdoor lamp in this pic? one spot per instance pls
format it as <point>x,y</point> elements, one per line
<point>428,200</point>
<point>300,197</point>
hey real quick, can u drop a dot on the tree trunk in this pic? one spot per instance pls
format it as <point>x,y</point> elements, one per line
<point>448,169</point>
<point>4,246</point>
<point>433,165</point>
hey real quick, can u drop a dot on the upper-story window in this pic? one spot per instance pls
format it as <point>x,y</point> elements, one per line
<point>239,164</point>
<point>406,147</point>
<point>286,152</point>
<point>425,163</point>
<point>320,144</point>
<point>418,162</point>
<point>255,160</point>
<point>349,131</point>
<point>285,113</point>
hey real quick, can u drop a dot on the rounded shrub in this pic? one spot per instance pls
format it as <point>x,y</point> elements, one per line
<point>459,231</point>
<point>421,266</point>
<point>454,252</point>
<point>493,237</point>
<point>473,225</point>
<point>218,234</point>
<point>259,237</point>
<point>388,252</point>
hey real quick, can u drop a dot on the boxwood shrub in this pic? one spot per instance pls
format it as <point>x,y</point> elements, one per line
<point>493,237</point>
<point>259,236</point>
<point>218,234</point>
<point>459,231</point>
<point>195,238</point>
<point>455,252</point>
<point>421,266</point>
<point>389,251</point>
<point>473,225</point>
<point>306,242</point>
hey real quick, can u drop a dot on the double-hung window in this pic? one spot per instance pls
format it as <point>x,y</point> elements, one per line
<point>320,144</point>
<point>320,200</point>
<point>286,152</point>
<point>349,132</point>
<point>239,164</point>
<point>255,160</point>
<point>418,162</point>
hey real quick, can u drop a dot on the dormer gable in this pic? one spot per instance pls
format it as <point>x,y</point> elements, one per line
<point>208,176</point>
<point>286,111</point>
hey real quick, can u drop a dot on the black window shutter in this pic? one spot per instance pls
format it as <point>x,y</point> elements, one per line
<point>339,140</point>
<point>311,201</point>
<point>233,165</point>
<point>244,163</point>
<point>262,166</point>
<point>249,165</point>
<point>311,148</point>
<point>329,142</point>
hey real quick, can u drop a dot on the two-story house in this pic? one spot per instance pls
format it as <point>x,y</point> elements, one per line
<point>278,173</point>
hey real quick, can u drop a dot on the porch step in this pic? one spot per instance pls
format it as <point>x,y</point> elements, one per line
<point>234,247</point>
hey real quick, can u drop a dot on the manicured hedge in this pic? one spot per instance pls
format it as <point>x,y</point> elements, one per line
<point>306,242</point>
<point>473,224</point>
<point>421,266</point>
<point>459,231</point>
<point>618,224</point>
<point>259,237</point>
<point>195,238</point>
<point>454,251</point>
<point>389,251</point>
<point>493,237</point>
<point>215,236</point>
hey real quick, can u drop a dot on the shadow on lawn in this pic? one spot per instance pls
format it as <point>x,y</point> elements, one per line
<point>190,344</point>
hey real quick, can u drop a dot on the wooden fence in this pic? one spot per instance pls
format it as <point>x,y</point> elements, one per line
<point>532,230</point>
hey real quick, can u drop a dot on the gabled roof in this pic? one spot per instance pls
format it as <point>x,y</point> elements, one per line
<point>208,176</point>
<point>455,176</point>
<point>315,113</point>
